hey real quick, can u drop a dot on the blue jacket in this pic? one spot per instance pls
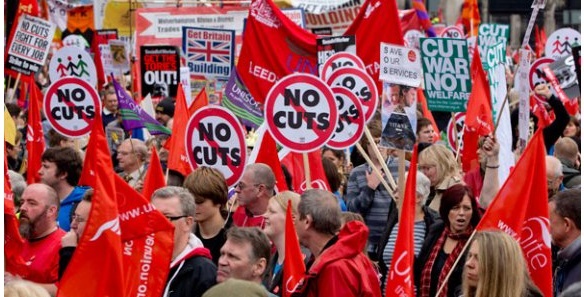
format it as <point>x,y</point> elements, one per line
<point>66,208</point>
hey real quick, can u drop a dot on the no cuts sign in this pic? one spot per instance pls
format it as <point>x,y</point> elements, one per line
<point>70,105</point>
<point>215,138</point>
<point>360,84</point>
<point>301,112</point>
<point>351,121</point>
<point>338,61</point>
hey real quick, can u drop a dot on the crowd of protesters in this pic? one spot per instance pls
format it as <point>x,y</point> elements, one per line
<point>231,241</point>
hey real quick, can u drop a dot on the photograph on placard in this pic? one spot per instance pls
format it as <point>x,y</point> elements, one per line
<point>398,115</point>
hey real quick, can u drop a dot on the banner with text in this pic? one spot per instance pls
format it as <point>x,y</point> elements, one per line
<point>446,73</point>
<point>328,46</point>
<point>238,100</point>
<point>160,71</point>
<point>489,35</point>
<point>400,65</point>
<point>30,45</point>
<point>209,52</point>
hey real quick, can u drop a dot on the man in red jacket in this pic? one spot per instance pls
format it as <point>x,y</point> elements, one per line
<point>340,268</point>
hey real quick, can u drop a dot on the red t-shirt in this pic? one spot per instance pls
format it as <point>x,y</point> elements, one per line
<point>243,218</point>
<point>42,257</point>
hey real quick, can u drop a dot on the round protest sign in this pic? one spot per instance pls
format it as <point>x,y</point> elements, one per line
<point>301,112</point>
<point>214,138</point>
<point>536,74</point>
<point>73,61</point>
<point>360,84</point>
<point>452,32</point>
<point>454,130</point>
<point>75,40</point>
<point>412,38</point>
<point>559,44</point>
<point>70,105</point>
<point>351,121</point>
<point>340,60</point>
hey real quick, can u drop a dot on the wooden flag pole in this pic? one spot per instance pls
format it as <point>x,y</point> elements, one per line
<point>11,96</point>
<point>401,180</point>
<point>380,158</point>
<point>376,170</point>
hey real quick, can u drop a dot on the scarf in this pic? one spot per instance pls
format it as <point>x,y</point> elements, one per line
<point>427,271</point>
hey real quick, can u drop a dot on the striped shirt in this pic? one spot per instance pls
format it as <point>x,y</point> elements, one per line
<point>419,234</point>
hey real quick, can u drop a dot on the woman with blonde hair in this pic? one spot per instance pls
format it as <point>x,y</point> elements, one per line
<point>437,162</point>
<point>275,229</point>
<point>495,267</point>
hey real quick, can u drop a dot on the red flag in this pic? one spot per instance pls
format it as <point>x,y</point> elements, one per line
<point>101,75</point>
<point>294,269</point>
<point>400,275</point>
<point>135,80</point>
<point>35,142</point>
<point>201,101</point>
<point>177,156</point>
<point>525,193</point>
<point>427,113</point>
<point>96,268</point>
<point>295,164</point>
<point>294,49</point>
<point>147,237</point>
<point>265,151</point>
<point>539,47</point>
<point>470,17</point>
<point>479,115</point>
<point>154,178</point>
<point>13,242</point>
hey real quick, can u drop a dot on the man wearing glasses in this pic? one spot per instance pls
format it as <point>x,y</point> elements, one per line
<point>254,191</point>
<point>191,270</point>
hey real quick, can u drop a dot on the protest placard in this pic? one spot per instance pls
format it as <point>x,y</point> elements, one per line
<point>209,52</point>
<point>70,105</point>
<point>301,112</point>
<point>491,34</point>
<point>160,71</point>
<point>296,15</point>
<point>398,116</point>
<point>560,42</point>
<point>119,52</point>
<point>351,123</point>
<point>400,65</point>
<point>238,100</point>
<point>72,61</point>
<point>412,38</point>
<point>30,45</point>
<point>338,61</point>
<point>446,73</point>
<point>328,46</point>
<point>452,32</point>
<point>360,84</point>
<point>214,138</point>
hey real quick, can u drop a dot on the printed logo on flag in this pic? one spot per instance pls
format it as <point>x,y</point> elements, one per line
<point>264,14</point>
<point>209,52</point>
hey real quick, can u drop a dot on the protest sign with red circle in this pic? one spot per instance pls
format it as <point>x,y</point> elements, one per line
<point>70,105</point>
<point>537,75</point>
<point>360,84</point>
<point>73,61</point>
<point>454,130</point>
<point>301,112</point>
<point>215,138</point>
<point>452,32</point>
<point>351,121</point>
<point>340,60</point>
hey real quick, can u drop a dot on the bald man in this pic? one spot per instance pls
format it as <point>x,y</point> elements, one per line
<point>38,226</point>
<point>566,150</point>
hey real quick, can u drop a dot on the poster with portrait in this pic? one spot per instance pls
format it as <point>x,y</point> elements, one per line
<point>398,116</point>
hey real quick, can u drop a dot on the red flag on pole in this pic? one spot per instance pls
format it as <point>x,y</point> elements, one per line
<point>13,242</point>
<point>295,164</point>
<point>400,275</point>
<point>294,269</point>
<point>525,193</point>
<point>147,237</point>
<point>101,75</point>
<point>177,156</point>
<point>479,115</point>
<point>470,17</point>
<point>35,142</point>
<point>96,268</point>
<point>427,113</point>
<point>154,178</point>
<point>201,101</point>
<point>265,152</point>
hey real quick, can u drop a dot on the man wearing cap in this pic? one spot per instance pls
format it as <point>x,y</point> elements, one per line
<point>165,111</point>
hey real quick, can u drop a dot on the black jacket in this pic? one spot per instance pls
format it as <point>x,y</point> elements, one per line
<point>430,218</point>
<point>455,280</point>
<point>193,277</point>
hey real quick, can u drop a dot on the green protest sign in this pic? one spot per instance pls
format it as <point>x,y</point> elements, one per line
<point>491,34</point>
<point>446,73</point>
<point>494,62</point>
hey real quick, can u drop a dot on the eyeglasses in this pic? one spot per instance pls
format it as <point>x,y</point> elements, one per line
<point>242,185</point>
<point>172,219</point>
<point>77,218</point>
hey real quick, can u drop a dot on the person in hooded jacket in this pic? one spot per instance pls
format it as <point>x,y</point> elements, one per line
<point>339,268</point>
<point>192,271</point>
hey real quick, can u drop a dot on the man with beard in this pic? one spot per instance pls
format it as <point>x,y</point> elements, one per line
<point>38,226</point>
